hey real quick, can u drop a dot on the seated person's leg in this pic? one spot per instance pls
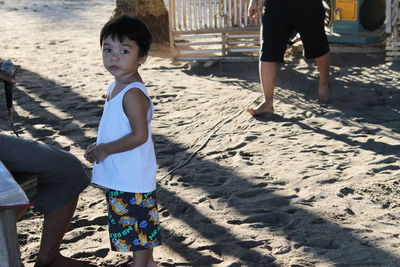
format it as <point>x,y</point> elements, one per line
<point>61,178</point>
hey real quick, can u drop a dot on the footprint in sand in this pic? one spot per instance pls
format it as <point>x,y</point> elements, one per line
<point>342,166</point>
<point>40,133</point>
<point>318,221</point>
<point>248,244</point>
<point>274,219</point>
<point>262,184</point>
<point>42,120</point>
<point>386,169</point>
<point>308,202</point>
<point>247,157</point>
<point>74,236</point>
<point>250,193</point>
<point>101,220</point>
<point>328,181</point>
<point>322,243</point>
<point>217,249</point>
<point>349,211</point>
<point>237,146</point>
<point>345,191</point>
<point>251,138</point>
<point>101,253</point>
<point>204,180</point>
<point>165,98</point>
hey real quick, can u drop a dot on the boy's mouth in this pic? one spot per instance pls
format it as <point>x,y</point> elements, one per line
<point>114,67</point>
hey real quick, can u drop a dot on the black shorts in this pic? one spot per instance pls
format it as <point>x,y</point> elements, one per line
<point>283,17</point>
<point>133,221</point>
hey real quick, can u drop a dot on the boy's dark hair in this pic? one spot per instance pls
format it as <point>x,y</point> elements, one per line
<point>125,26</point>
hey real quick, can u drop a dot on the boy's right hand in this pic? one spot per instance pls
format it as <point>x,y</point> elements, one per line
<point>96,153</point>
<point>87,157</point>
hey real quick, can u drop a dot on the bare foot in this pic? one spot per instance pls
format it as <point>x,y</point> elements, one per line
<point>61,261</point>
<point>152,264</point>
<point>263,108</point>
<point>324,93</point>
<point>149,264</point>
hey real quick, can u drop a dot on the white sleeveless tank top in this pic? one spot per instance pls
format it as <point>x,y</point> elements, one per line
<point>133,170</point>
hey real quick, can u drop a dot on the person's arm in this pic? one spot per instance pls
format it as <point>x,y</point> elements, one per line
<point>136,105</point>
<point>253,8</point>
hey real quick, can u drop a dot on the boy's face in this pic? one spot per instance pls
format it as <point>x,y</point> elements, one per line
<point>121,59</point>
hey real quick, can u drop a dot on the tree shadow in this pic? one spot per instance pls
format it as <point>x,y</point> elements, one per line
<point>257,205</point>
<point>364,89</point>
<point>50,110</point>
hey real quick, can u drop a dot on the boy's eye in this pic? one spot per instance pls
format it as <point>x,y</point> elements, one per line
<point>124,52</point>
<point>106,50</point>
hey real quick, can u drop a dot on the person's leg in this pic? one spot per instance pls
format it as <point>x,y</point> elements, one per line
<point>55,225</point>
<point>19,212</point>
<point>309,20</point>
<point>267,77</point>
<point>275,32</point>
<point>61,178</point>
<point>323,63</point>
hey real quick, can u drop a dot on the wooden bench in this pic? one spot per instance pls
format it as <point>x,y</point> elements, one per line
<point>9,247</point>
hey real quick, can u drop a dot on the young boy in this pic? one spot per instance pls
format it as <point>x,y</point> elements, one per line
<point>123,156</point>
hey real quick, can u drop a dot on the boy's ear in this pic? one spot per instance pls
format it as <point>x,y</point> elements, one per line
<point>142,59</point>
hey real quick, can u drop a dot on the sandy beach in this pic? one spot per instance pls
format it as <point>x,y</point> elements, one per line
<point>308,186</point>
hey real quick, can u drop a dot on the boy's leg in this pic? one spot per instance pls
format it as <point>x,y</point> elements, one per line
<point>141,258</point>
<point>267,77</point>
<point>323,63</point>
<point>150,260</point>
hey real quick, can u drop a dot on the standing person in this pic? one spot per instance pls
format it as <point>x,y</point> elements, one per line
<point>123,155</point>
<point>61,178</point>
<point>279,20</point>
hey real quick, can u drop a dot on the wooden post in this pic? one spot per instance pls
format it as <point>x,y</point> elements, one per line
<point>9,247</point>
<point>10,255</point>
<point>388,28</point>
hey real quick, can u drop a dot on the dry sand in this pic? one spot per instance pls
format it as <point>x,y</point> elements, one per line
<point>309,186</point>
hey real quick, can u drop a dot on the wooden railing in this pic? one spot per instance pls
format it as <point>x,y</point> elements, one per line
<point>213,29</point>
<point>393,29</point>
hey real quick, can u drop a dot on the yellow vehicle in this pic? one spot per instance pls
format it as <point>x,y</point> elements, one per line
<point>355,21</point>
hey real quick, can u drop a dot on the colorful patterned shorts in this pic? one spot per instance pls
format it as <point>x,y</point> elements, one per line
<point>133,221</point>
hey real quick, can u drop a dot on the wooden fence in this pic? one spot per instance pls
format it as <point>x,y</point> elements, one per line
<point>221,30</point>
<point>393,29</point>
<point>213,29</point>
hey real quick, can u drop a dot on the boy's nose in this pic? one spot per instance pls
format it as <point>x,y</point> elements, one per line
<point>114,57</point>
